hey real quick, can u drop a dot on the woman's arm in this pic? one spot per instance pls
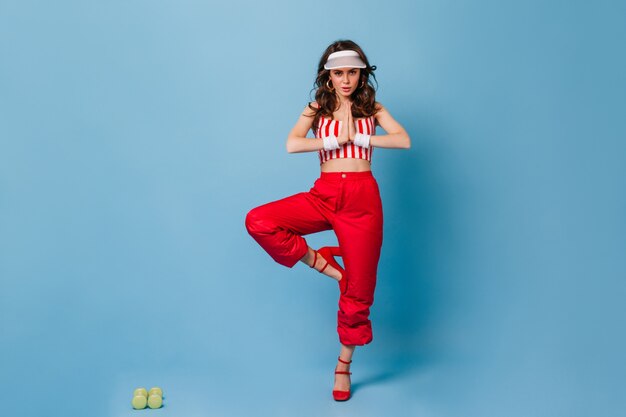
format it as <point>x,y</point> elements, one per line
<point>396,136</point>
<point>297,140</point>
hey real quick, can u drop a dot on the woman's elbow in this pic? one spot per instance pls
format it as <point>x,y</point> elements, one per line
<point>407,142</point>
<point>290,146</point>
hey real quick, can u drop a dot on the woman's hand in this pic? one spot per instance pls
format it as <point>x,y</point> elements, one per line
<point>347,129</point>
<point>351,126</point>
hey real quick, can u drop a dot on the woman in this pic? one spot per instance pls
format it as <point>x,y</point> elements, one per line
<point>344,198</point>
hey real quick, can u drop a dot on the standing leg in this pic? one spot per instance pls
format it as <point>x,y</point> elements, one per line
<point>342,381</point>
<point>359,229</point>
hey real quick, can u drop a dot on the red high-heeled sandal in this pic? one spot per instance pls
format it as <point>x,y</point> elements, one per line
<point>342,395</point>
<point>329,253</point>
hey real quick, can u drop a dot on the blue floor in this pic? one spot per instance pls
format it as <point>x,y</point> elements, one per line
<point>282,387</point>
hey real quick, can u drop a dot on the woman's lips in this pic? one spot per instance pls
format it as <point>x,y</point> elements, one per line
<point>345,88</point>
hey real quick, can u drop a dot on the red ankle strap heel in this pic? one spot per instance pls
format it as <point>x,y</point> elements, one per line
<point>329,253</point>
<point>342,395</point>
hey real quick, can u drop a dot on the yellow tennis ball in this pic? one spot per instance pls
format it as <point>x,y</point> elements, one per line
<point>155,401</point>
<point>141,391</point>
<point>139,402</point>
<point>155,390</point>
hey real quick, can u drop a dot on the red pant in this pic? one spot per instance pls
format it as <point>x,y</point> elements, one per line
<point>349,203</point>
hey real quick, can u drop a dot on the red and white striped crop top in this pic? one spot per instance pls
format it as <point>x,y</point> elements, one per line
<point>327,127</point>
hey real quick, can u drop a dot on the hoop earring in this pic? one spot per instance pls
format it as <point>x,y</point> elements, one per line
<point>362,84</point>
<point>328,86</point>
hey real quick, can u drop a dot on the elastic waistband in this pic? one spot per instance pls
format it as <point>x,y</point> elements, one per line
<point>345,176</point>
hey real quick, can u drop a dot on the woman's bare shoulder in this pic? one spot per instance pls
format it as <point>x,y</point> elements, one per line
<point>308,111</point>
<point>379,110</point>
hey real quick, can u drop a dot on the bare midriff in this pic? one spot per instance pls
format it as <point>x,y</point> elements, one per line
<point>346,165</point>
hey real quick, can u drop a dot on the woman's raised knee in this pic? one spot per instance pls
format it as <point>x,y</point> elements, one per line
<point>256,222</point>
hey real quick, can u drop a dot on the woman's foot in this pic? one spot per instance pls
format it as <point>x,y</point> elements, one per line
<point>342,381</point>
<point>341,390</point>
<point>319,265</point>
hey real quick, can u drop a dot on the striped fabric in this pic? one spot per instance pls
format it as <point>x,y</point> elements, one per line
<point>326,127</point>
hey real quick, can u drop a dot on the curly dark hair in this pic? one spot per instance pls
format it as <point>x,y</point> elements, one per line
<point>363,98</point>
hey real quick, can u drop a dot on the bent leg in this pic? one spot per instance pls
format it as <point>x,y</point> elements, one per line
<point>278,226</point>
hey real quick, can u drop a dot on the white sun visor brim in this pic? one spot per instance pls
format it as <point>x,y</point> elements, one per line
<point>344,59</point>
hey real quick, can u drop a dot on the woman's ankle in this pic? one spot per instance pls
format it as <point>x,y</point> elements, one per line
<point>309,258</point>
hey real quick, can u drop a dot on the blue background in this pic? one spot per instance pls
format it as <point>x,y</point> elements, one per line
<point>135,136</point>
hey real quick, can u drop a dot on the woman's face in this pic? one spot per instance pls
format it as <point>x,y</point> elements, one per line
<point>345,80</point>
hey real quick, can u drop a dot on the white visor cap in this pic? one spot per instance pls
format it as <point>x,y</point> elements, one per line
<point>344,59</point>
